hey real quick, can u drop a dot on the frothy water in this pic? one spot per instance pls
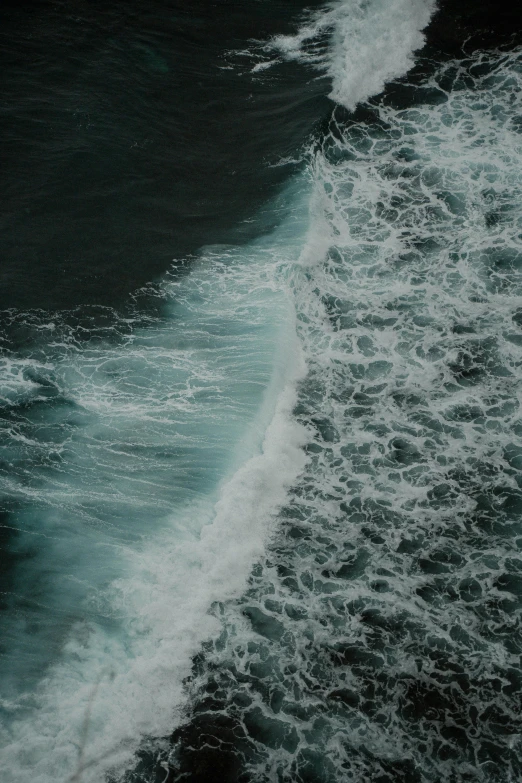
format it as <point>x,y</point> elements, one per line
<point>359,45</point>
<point>142,479</point>
<point>380,635</point>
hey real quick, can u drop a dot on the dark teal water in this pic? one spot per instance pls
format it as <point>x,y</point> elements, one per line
<point>128,140</point>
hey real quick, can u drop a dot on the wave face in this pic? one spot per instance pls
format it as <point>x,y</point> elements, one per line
<point>145,474</point>
<point>379,639</point>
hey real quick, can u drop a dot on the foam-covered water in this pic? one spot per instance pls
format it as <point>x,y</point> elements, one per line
<point>141,476</point>
<point>359,45</point>
<point>379,639</point>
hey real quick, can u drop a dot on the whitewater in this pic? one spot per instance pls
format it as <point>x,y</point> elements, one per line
<point>278,513</point>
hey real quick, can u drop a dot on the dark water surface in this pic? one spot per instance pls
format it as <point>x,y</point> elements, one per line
<point>128,139</point>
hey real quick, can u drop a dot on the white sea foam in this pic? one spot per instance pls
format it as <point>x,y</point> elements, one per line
<point>360,44</point>
<point>380,637</point>
<point>192,387</point>
<point>211,388</point>
<point>126,686</point>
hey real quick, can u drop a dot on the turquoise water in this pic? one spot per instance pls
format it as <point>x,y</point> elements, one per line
<point>140,467</point>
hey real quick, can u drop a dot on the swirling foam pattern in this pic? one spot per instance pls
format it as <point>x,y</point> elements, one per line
<point>380,638</point>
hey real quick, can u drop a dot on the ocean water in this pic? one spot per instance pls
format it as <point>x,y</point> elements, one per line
<point>262,517</point>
